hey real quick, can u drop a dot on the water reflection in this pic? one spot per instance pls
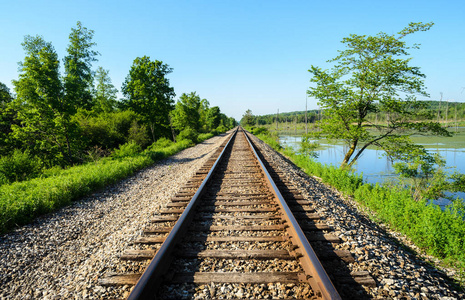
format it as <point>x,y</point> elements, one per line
<point>376,167</point>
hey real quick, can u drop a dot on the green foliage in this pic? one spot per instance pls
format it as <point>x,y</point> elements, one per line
<point>162,143</point>
<point>19,166</point>
<point>186,112</point>
<point>213,118</point>
<point>372,75</point>
<point>128,149</point>
<point>21,202</point>
<point>149,94</point>
<point>259,130</point>
<point>7,118</point>
<point>5,95</point>
<point>138,134</point>
<point>204,136</point>
<point>188,134</point>
<point>78,79</point>
<point>45,126</point>
<point>221,129</point>
<point>248,119</point>
<point>107,130</point>
<point>308,147</point>
<point>105,92</point>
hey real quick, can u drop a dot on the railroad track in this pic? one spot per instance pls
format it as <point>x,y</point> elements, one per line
<point>229,233</point>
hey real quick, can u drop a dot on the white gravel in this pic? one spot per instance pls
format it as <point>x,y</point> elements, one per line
<point>62,255</point>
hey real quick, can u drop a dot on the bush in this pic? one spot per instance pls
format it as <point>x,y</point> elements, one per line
<point>128,149</point>
<point>162,143</point>
<point>19,166</point>
<point>221,129</point>
<point>138,134</point>
<point>188,134</point>
<point>259,130</point>
<point>204,136</point>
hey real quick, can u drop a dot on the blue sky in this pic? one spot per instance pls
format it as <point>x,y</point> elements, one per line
<point>239,54</point>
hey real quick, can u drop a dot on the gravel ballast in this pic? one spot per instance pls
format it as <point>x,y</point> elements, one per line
<point>63,255</point>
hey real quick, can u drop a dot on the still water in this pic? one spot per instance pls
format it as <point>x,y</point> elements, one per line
<point>375,166</point>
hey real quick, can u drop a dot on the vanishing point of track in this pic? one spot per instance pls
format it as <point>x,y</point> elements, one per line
<point>230,227</point>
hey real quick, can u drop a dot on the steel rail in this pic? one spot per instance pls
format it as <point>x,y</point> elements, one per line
<point>147,283</point>
<point>318,279</point>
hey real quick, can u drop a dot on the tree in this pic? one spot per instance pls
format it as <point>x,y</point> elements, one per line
<point>78,80</point>
<point>373,75</point>
<point>248,118</point>
<point>5,95</point>
<point>213,118</point>
<point>43,114</point>
<point>149,94</point>
<point>203,109</point>
<point>7,116</point>
<point>187,112</point>
<point>105,92</point>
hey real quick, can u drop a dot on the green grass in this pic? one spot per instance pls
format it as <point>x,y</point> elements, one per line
<point>438,232</point>
<point>21,202</point>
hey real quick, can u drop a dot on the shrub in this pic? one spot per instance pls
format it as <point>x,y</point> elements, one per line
<point>188,134</point>
<point>221,129</point>
<point>18,166</point>
<point>204,136</point>
<point>128,149</point>
<point>162,143</point>
<point>138,134</point>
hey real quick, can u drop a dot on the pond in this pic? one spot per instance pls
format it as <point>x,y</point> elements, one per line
<point>375,166</point>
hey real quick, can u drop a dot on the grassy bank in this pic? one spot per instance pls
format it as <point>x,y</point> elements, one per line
<point>21,202</point>
<point>440,233</point>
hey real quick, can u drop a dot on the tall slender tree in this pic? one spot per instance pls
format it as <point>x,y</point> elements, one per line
<point>105,92</point>
<point>78,80</point>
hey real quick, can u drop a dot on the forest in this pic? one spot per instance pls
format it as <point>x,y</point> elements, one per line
<point>57,120</point>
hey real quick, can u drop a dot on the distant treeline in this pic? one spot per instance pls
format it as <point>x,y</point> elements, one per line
<point>444,111</point>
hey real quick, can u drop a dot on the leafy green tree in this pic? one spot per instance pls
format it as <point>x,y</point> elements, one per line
<point>187,112</point>
<point>248,118</point>
<point>5,95</point>
<point>213,118</point>
<point>373,75</point>
<point>203,109</point>
<point>44,116</point>
<point>78,80</point>
<point>7,116</point>
<point>150,95</point>
<point>105,92</point>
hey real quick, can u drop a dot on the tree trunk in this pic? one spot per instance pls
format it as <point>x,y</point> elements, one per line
<point>349,154</point>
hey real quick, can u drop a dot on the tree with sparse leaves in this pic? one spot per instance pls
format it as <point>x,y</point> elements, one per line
<point>373,75</point>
